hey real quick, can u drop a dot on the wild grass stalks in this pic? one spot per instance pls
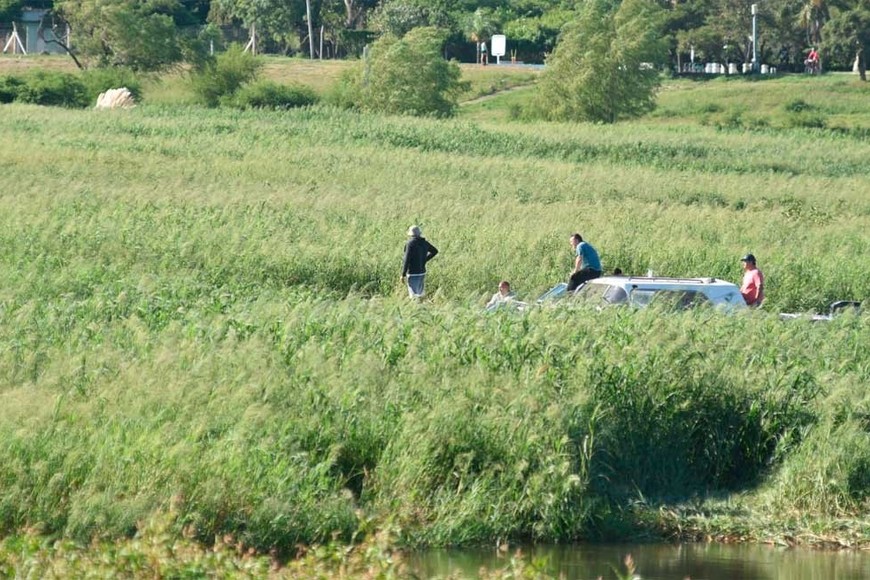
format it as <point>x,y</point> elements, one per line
<point>200,314</point>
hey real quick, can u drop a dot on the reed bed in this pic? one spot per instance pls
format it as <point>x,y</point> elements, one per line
<point>200,317</point>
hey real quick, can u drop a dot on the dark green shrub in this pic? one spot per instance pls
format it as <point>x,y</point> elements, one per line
<point>100,80</point>
<point>797,106</point>
<point>757,123</point>
<point>272,95</point>
<point>347,92</point>
<point>711,108</point>
<point>729,120</point>
<point>669,431</point>
<point>806,120</point>
<point>53,89</point>
<point>9,88</point>
<point>225,75</point>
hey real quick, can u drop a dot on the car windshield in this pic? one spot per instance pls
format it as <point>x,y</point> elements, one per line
<point>556,292</point>
<point>602,294</point>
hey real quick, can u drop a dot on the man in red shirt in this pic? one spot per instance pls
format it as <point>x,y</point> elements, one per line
<point>753,282</point>
<point>812,61</point>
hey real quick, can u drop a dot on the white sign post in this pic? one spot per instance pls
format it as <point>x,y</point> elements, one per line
<point>499,43</point>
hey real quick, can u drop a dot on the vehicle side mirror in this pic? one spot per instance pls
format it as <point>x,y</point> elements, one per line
<point>840,305</point>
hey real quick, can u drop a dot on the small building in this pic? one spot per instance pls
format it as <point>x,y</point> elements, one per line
<point>34,35</point>
<point>38,39</point>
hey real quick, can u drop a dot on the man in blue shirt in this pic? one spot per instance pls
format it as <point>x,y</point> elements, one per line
<point>587,265</point>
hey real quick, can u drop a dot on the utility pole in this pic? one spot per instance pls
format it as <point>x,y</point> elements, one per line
<point>754,38</point>
<point>311,30</point>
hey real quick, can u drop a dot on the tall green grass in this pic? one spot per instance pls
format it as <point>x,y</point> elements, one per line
<point>200,315</point>
<point>322,197</point>
<point>276,420</point>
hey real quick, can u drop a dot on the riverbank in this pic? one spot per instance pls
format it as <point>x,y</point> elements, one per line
<point>157,552</point>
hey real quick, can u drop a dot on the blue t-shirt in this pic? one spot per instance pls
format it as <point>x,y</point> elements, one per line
<point>588,256</point>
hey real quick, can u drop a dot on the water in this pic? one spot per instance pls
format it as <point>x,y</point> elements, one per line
<point>659,562</point>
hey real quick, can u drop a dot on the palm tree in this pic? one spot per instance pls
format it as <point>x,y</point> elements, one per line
<point>812,18</point>
<point>481,25</point>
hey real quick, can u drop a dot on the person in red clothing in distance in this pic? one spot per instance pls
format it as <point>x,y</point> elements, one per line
<point>752,288</point>
<point>812,63</point>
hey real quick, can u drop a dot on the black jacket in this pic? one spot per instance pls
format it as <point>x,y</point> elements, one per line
<point>418,251</point>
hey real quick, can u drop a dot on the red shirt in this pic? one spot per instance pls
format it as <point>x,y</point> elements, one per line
<point>753,287</point>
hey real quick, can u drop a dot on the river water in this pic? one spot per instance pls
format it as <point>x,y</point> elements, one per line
<point>659,562</point>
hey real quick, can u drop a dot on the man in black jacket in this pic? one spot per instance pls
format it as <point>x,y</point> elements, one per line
<point>418,251</point>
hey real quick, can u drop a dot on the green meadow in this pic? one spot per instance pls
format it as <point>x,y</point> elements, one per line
<point>202,324</point>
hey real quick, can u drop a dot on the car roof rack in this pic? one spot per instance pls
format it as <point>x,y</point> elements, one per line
<point>673,280</point>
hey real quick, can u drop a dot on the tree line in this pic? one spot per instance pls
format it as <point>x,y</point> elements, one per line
<point>125,31</point>
<point>604,57</point>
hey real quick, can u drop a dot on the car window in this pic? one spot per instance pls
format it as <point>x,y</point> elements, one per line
<point>602,294</point>
<point>641,298</point>
<point>690,299</point>
<point>676,299</point>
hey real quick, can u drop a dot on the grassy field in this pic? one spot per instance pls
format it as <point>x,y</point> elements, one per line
<point>201,320</point>
<point>174,87</point>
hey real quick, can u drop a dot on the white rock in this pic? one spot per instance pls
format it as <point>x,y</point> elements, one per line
<point>116,99</point>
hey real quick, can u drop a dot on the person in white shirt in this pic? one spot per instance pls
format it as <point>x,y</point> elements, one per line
<point>503,295</point>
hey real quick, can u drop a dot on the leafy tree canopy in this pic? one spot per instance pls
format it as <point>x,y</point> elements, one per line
<point>409,76</point>
<point>398,17</point>
<point>542,30</point>
<point>601,67</point>
<point>279,20</point>
<point>10,9</point>
<point>482,24</point>
<point>718,30</point>
<point>139,35</point>
<point>849,34</point>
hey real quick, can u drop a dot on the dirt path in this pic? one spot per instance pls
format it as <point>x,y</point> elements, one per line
<point>495,94</point>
